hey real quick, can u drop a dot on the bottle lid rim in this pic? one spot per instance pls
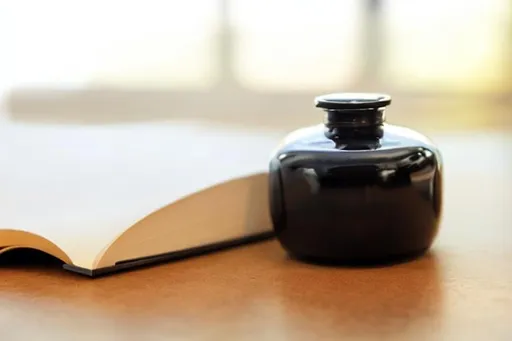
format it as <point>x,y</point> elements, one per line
<point>352,100</point>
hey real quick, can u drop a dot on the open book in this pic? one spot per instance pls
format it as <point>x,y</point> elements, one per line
<point>113,197</point>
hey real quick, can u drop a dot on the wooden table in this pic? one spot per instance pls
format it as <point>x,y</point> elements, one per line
<point>461,290</point>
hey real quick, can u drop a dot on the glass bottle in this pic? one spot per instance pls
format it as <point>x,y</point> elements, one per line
<point>355,188</point>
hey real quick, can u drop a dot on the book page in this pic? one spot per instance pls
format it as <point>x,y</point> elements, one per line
<point>82,186</point>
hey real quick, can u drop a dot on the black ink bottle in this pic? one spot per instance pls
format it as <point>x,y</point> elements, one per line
<point>355,188</point>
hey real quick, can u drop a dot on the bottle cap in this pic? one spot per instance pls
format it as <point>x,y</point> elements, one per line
<point>352,100</point>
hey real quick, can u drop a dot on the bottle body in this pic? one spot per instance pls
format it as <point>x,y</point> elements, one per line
<point>355,199</point>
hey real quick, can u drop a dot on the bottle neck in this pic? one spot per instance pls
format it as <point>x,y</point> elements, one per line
<point>355,124</point>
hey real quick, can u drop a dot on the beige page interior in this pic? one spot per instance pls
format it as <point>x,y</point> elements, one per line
<point>82,187</point>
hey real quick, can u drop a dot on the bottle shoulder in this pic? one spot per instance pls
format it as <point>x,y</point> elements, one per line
<point>313,138</point>
<point>397,143</point>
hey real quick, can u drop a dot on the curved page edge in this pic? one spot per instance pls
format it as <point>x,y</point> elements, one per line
<point>243,204</point>
<point>15,239</point>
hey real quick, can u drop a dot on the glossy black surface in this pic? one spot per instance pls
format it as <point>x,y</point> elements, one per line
<point>366,192</point>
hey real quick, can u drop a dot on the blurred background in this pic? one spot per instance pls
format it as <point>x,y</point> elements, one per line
<point>447,64</point>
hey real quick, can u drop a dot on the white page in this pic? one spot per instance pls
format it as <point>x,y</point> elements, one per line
<point>81,186</point>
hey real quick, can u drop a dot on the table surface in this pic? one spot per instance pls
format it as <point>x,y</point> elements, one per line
<point>460,290</point>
